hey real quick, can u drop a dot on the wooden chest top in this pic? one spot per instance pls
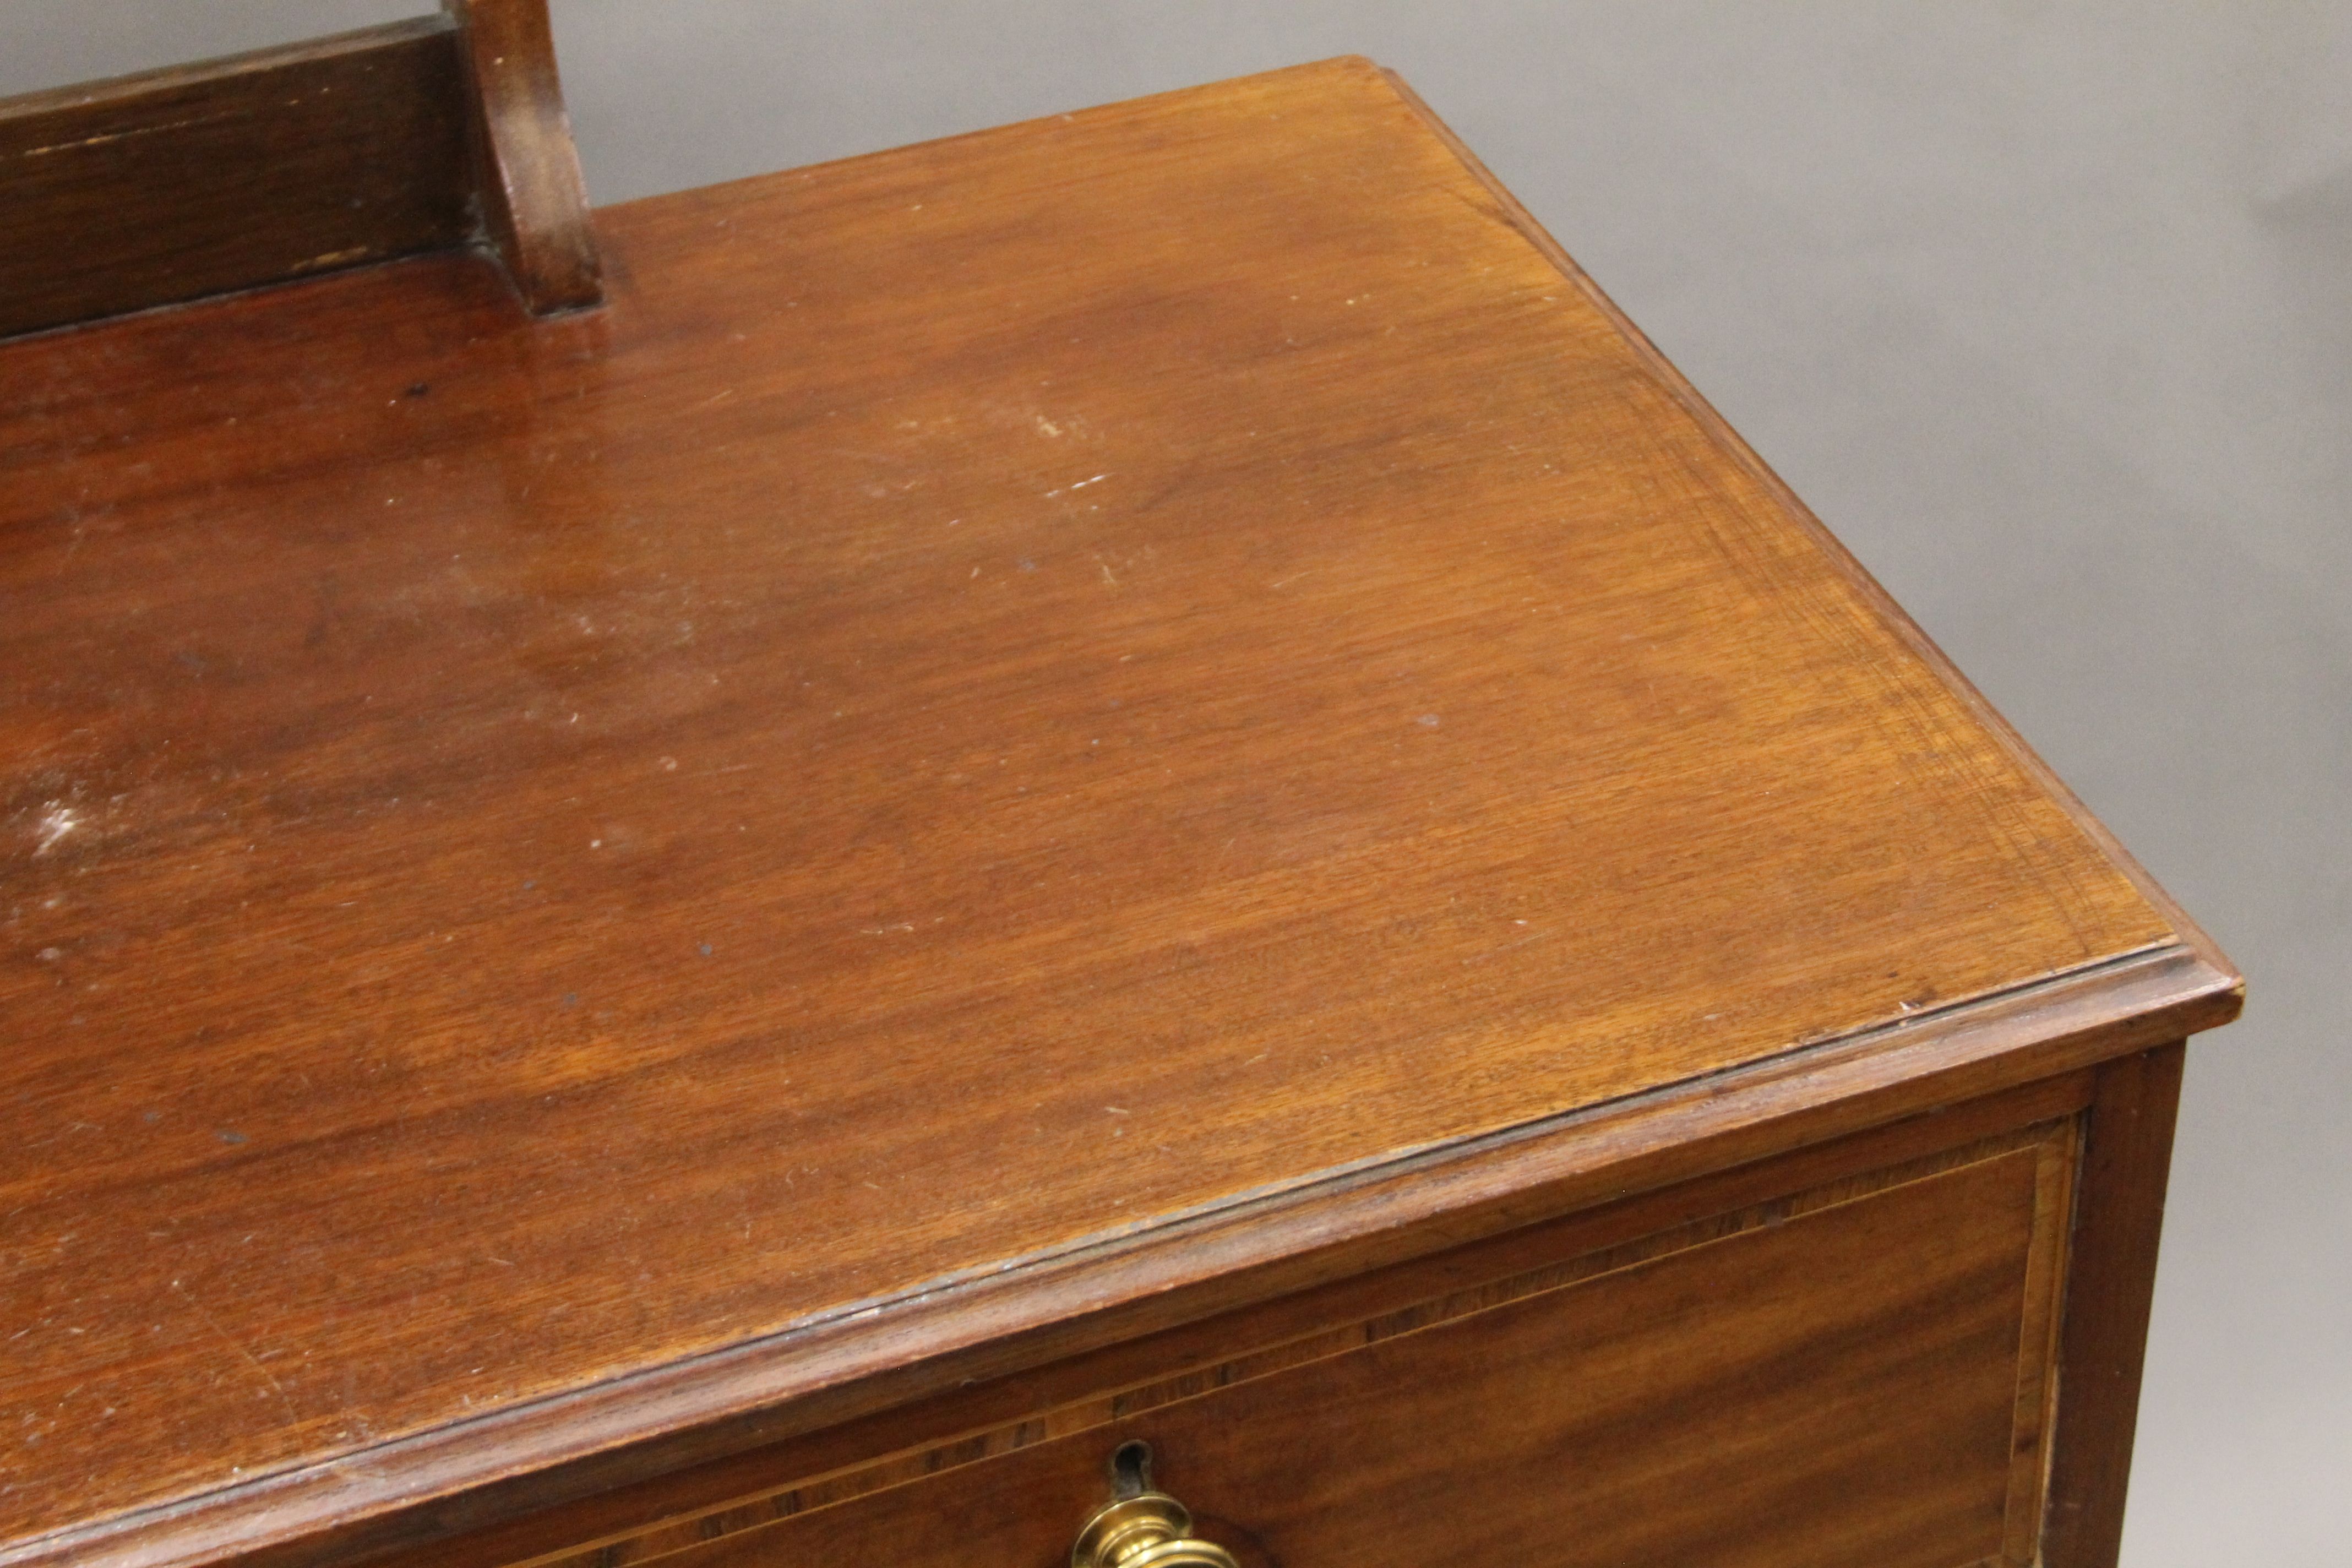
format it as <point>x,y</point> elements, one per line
<point>1006,703</point>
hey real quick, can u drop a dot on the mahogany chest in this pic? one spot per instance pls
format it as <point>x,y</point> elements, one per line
<point>1130,808</point>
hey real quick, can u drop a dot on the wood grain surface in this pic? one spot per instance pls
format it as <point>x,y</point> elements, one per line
<point>1007,699</point>
<point>173,183</point>
<point>1832,1379</point>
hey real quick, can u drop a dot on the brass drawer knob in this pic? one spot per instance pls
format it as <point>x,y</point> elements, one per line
<point>1151,1529</point>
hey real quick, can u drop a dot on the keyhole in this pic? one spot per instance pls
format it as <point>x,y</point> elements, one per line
<point>1130,1470</point>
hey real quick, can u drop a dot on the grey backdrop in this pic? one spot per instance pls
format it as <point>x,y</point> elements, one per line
<point>2047,308</point>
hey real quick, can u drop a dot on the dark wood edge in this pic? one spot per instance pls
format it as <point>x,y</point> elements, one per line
<point>534,201</point>
<point>194,181</point>
<point>257,212</point>
<point>120,90</point>
<point>1895,618</point>
<point>2118,1220</point>
<point>875,1355</point>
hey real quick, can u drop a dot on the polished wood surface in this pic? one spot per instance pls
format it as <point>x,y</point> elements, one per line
<point>1831,1379</point>
<point>585,895</point>
<point>535,202</point>
<point>173,183</point>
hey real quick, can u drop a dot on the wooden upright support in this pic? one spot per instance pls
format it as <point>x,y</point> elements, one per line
<point>533,204</point>
<point>264,167</point>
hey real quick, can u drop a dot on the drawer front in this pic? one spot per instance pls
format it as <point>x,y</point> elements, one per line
<point>1852,1376</point>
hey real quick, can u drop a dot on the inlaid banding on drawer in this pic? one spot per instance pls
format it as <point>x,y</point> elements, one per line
<point>1888,1335</point>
